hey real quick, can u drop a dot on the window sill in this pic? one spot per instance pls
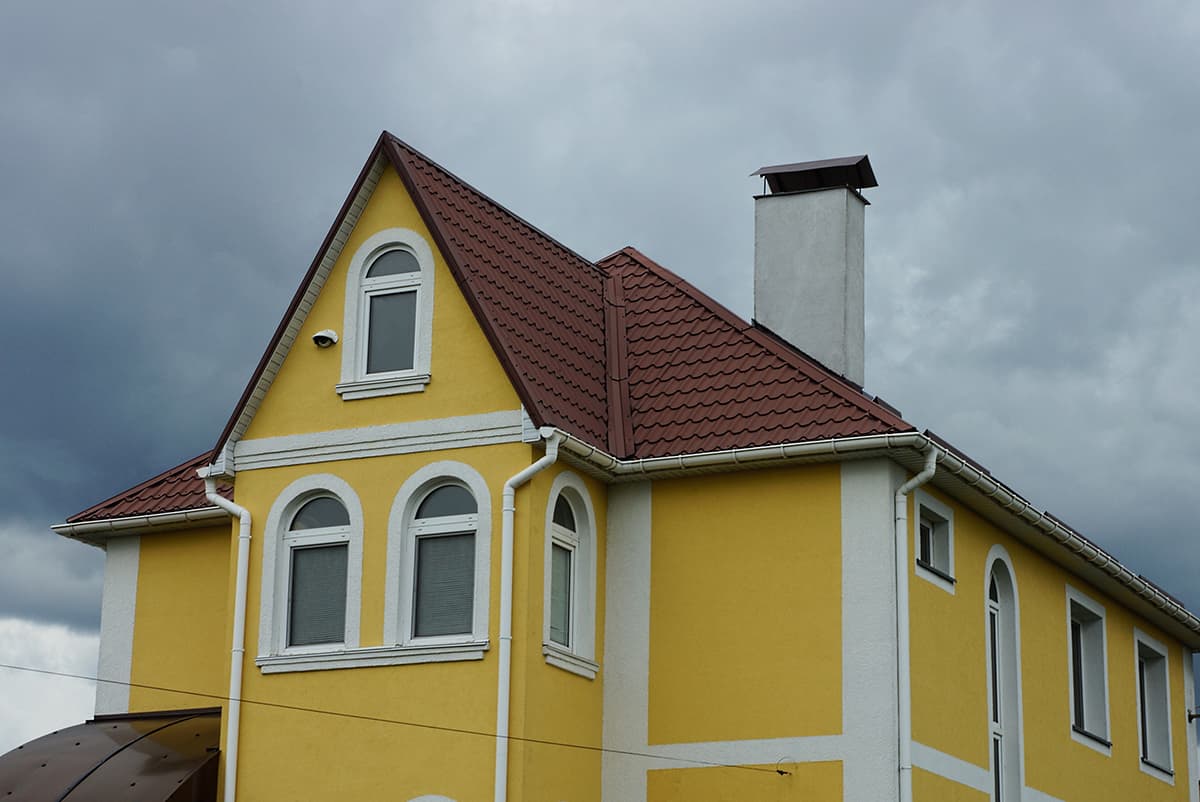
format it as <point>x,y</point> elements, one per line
<point>569,661</point>
<point>1089,739</point>
<point>370,656</point>
<point>936,576</point>
<point>1157,771</point>
<point>374,388</point>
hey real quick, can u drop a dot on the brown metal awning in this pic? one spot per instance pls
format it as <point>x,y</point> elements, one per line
<point>168,756</point>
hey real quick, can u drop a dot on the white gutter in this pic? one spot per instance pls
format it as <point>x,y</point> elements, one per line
<point>135,524</point>
<point>238,650</point>
<point>504,684</point>
<point>903,649</point>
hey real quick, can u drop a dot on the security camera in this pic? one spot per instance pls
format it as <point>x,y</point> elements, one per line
<point>325,338</point>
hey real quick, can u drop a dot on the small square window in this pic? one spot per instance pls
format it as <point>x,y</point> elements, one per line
<point>1154,704</point>
<point>1087,666</point>
<point>934,546</point>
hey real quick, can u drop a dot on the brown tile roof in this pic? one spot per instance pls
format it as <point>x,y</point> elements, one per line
<point>622,353</point>
<point>173,490</point>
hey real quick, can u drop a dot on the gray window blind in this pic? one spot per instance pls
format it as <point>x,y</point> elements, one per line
<point>317,601</point>
<point>445,592</point>
<point>560,595</point>
<point>392,332</point>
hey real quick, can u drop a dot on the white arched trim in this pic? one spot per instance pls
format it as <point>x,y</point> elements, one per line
<point>272,627</point>
<point>579,657</point>
<point>355,381</point>
<point>431,798</point>
<point>998,554</point>
<point>401,562</point>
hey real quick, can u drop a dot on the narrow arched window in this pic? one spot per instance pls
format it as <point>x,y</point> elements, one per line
<point>564,543</point>
<point>443,531</point>
<point>569,603</point>
<point>317,542</point>
<point>390,288</point>
<point>1004,679</point>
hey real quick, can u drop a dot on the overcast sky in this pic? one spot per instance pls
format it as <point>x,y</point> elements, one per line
<point>168,171</point>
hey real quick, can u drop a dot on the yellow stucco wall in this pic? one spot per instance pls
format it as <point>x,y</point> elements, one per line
<point>465,376</point>
<point>929,787</point>
<point>180,636</point>
<point>949,672</point>
<point>745,606</point>
<point>807,782</point>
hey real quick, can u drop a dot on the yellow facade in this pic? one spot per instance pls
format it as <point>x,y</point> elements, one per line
<point>950,684</point>
<point>804,782</point>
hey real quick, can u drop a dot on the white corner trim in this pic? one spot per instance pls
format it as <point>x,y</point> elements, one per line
<point>355,381</point>
<point>272,634</point>
<point>583,612</point>
<point>529,432</point>
<point>397,601</point>
<point>569,661</point>
<point>1189,702</point>
<point>371,656</point>
<point>118,608</point>
<point>435,434</point>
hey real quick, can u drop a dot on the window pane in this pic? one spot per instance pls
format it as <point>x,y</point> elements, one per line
<point>926,544</point>
<point>1077,673</point>
<point>391,332</point>
<point>993,634</point>
<point>564,516</point>
<point>560,595</point>
<point>445,592</point>
<point>317,598</point>
<point>447,500</point>
<point>320,513</point>
<point>394,263</point>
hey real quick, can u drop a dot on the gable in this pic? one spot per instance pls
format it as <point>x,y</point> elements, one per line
<point>466,378</point>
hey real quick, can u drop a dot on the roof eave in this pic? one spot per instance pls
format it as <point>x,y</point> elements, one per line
<point>95,532</point>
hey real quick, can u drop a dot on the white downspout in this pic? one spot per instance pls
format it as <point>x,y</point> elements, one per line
<point>504,683</point>
<point>903,650</point>
<point>239,633</point>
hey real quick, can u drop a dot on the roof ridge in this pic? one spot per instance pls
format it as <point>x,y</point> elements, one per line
<point>778,346</point>
<point>620,418</point>
<point>397,141</point>
<point>207,455</point>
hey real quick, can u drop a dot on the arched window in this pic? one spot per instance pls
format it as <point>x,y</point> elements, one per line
<point>569,611</point>
<point>443,599</point>
<point>312,573</point>
<point>389,316</point>
<point>1004,682</point>
<point>439,564</point>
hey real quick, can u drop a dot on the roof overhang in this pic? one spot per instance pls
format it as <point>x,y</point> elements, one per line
<point>94,533</point>
<point>956,475</point>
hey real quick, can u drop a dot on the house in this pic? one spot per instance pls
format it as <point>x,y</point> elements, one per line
<point>493,521</point>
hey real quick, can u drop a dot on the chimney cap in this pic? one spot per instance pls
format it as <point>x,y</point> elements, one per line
<point>848,171</point>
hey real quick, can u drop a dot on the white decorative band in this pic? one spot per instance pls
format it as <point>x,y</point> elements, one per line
<point>375,441</point>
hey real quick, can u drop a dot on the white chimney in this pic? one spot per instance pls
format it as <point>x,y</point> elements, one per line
<point>808,258</point>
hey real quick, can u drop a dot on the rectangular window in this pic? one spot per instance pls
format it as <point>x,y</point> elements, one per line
<point>444,600</point>
<point>1087,665</point>
<point>317,597</point>
<point>1154,703</point>
<point>391,332</point>
<point>561,558</point>
<point>934,541</point>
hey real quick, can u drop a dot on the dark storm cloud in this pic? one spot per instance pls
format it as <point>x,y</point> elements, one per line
<point>1032,279</point>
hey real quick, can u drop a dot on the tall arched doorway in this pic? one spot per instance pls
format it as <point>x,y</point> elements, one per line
<point>1004,682</point>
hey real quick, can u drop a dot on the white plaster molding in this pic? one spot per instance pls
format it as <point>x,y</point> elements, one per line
<point>371,656</point>
<point>272,634</point>
<point>373,441</point>
<point>401,559</point>
<point>870,749</point>
<point>583,613</point>
<point>355,381</point>
<point>626,642</point>
<point>118,609</point>
<point>764,751</point>
<point>431,798</point>
<point>951,768</point>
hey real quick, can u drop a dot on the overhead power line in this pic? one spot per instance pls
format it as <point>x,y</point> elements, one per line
<point>393,721</point>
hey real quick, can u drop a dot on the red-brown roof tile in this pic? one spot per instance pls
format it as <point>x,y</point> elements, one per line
<point>173,490</point>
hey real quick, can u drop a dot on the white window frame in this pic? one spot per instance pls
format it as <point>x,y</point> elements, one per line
<point>355,381</point>
<point>401,563</point>
<point>579,657</point>
<point>278,544</point>
<point>1162,771</point>
<point>926,507</point>
<point>1093,739</point>
<point>1010,693</point>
